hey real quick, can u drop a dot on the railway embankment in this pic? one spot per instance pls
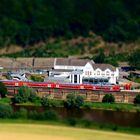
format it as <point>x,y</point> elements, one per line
<point>89,95</point>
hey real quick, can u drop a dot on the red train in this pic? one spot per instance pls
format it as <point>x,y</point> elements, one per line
<point>64,86</point>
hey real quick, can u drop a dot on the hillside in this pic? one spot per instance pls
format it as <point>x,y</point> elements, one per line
<point>105,30</point>
<point>27,22</point>
<point>82,47</point>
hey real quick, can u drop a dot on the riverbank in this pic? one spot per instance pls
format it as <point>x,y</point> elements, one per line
<point>89,105</point>
<point>125,122</point>
<point>112,106</point>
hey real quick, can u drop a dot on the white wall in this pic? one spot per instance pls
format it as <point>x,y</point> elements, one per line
<point>89,72</point>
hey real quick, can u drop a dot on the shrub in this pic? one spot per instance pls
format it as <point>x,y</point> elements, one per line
<point>17,99</point>
<point>137,99</point>
<point>32,97</point>
<point>3,90</point>
<point>22,113</point>
<point>45,102</point>
<point>71,122</point>
<point>37,78</point>
<point>55,103</point>
<point>24,95</point>
<point>70,101</point>
<point>73,101</point>
<point>50,115</point>
<point>34,115</point>
<point>6,111</point>
<point>79,101</point>
<point>108,98</point>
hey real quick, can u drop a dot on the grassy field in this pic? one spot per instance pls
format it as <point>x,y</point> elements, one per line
<point>46,132</point>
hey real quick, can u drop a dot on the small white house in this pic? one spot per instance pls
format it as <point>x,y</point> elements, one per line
<point>80,71</point>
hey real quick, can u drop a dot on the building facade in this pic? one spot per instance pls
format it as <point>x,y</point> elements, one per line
<point>79,71</point>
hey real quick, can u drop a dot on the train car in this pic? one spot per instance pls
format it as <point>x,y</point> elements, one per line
<point>64,86</point>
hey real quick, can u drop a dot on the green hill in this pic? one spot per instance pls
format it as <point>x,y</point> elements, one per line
<point>27,22</point>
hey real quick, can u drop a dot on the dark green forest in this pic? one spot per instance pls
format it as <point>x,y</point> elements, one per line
<point>25,22</point>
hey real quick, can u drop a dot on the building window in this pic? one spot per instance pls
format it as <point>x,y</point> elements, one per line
<point>98,72</point>
<point>107,73</point>
<point>90,72</point>
<point>112,74</point>
<point>103,74</point>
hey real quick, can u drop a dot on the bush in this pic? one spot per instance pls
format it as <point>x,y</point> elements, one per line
<point>72,101</point>
<point>108,98</point>
<point>3,90</point>
<point>137,99</point>
<point>50,115</point>
<point>79,101</point>
<point>22,113</point>
<point>24,95</point>
<point>71,122</point>
<point>34,115</point>
<point>45,102</point>
<point>37,78</point>
<point>134,59</point>
<point>55,103</point>
<point>32,97</point>
<point>6,111</point>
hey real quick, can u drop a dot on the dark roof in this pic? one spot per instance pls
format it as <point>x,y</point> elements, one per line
<point>61,70</point>
<point>103,67</point>
<point>43,62</point>
<point>71,62</point>
<point>24,62</point>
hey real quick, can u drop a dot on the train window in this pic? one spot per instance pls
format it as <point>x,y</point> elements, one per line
<point>95,81</point>
<point>85,81</point>
<point>101,80</point>
<point>91,81</point>
<point>106,80</point>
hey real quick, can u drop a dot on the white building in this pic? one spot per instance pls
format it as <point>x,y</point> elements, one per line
<point>80,71</point>
<point>104,73</point>
<point>64,66</point>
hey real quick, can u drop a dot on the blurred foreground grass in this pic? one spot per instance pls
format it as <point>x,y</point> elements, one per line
<point>43,132</point>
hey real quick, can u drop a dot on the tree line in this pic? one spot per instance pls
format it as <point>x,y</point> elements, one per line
<point>26,22</point>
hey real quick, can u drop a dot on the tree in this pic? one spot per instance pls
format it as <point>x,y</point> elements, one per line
<point>100,58</point>
<point>79,101</point>
<point>6,111</point>
<point>108,98</point>
<point>3,90</point>
<point>73,101</point>
<point>24,95</point>
<point>134,59</point>
<point>45,102</point>
<point>137,99</point>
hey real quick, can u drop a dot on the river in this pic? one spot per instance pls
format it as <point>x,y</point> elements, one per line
<point>129,119</point>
